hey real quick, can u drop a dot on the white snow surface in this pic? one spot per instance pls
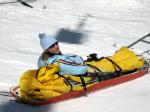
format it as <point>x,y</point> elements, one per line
<point>103,27</point>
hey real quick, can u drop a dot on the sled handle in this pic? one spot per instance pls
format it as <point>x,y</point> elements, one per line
<point>141,39</point>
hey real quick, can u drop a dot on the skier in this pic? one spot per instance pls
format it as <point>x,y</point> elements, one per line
<point>50,46</point>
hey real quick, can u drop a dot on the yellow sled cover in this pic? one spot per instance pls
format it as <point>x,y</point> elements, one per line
<point>45,83</point>
<point>124,58</point>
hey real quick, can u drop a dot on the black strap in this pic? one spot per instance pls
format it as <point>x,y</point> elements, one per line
<point>97,71</point>
<point>115,66</point>
<point>83,82</point>
<point>68,82</point>
<point>101,76</point>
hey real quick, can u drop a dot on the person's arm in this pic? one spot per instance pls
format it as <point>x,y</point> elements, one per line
<point>41,62</point>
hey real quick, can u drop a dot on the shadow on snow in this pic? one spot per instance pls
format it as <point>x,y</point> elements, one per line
<point>18,107</point>
<point>75,36</point>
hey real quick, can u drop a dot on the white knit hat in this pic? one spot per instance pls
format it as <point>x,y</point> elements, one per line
<point>46,41</point>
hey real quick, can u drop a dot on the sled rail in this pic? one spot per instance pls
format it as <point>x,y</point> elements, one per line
<point>141,40</point>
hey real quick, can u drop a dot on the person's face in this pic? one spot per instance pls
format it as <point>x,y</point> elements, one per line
<point>54,48</point>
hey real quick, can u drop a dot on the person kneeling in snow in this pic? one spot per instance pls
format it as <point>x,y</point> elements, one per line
<point>68,63</point>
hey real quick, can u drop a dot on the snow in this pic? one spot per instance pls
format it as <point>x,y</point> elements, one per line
<point>102,26</point>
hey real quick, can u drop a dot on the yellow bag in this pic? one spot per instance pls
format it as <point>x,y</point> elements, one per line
<point>45,83</point>
<point>42,84</point>
<point>124,58</point>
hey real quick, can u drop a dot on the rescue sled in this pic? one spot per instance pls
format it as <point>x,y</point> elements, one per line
<point>98,79</point>
<point>107,80</point>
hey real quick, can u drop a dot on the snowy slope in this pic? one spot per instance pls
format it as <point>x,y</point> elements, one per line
<point>102,27</point>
